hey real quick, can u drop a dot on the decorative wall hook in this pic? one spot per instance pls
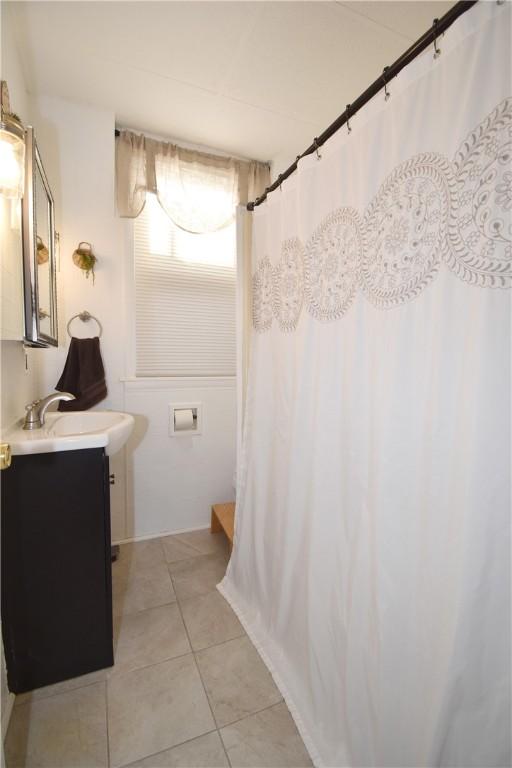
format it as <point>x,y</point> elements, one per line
<point>84,258</point>
<point>349,129</point>
<point>386,92</point>
<point>437,50</point>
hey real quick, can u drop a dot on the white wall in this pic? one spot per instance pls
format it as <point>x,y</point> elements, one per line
<point>20,373</point>
<point>11,269</point>
<point>174,481</point>
<point>77,148</point>
<point>161,485</point>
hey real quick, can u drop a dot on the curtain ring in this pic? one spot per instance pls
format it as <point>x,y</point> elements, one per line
<point>386,92</point>
<point>349,129</point>
<point>437,50</point>
<point>280,182</point>
<point>316,145</point>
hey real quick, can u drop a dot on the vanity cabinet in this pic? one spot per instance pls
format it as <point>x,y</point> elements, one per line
<point>56,567</point>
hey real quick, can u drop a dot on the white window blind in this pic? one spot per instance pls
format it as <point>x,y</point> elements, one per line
<point>185,297</point>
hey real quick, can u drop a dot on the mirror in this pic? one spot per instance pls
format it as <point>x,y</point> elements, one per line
<point>40,285</point>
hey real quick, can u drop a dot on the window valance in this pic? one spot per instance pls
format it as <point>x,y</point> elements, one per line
<point>198,191</point>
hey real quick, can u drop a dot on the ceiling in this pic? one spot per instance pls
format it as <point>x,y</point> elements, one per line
<point>256,79</point>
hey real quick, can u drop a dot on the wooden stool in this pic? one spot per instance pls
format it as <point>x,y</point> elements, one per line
<point>223,519</point>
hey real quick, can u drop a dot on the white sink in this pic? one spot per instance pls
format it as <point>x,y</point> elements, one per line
<point>72,431</point>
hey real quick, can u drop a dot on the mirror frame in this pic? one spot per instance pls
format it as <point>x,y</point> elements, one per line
<point>34,337</point>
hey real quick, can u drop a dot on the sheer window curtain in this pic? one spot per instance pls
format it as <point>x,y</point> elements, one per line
<point>371,564</point>
<point>197,190</point>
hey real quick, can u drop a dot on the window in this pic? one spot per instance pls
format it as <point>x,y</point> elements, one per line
<point>185,297</point>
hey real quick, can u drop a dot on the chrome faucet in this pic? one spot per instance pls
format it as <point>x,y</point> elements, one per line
<point>36,411</point>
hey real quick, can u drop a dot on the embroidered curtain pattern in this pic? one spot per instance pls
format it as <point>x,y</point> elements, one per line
<point>429,212</point>
<point>371,560</point>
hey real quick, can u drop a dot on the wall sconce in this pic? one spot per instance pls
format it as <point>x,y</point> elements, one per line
<point>12,149</point>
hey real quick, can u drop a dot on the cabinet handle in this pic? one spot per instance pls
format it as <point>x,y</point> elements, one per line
<point>5,455</point>
<point>112,479</point>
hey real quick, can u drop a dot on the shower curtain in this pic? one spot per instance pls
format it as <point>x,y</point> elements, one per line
<point>371,564</point>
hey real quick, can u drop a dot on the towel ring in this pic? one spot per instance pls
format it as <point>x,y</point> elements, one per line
<point>85,317</point>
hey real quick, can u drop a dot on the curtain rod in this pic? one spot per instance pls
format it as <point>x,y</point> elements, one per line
<point>430,36</point>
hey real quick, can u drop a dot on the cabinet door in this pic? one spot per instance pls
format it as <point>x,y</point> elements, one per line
<point>56,570</point>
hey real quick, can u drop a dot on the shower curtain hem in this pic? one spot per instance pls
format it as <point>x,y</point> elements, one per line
<point>258,644</point>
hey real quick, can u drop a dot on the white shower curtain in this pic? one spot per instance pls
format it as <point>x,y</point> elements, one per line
<point>371,563</point>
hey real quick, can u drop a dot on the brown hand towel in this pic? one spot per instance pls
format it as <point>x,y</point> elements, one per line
<point>83,375</point>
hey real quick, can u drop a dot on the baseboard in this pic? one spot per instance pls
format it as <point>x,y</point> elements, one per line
<point>159,535</point>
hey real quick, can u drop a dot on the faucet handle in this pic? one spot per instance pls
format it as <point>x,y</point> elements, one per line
<point>32,419</point>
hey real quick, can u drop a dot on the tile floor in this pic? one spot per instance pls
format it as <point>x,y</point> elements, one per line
<point>188,688</point>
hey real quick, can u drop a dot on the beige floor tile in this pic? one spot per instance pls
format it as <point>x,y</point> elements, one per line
<point>135,553</point>
<point>148,637</point>
<point>140,587</point>
<point>174,549</point>
<point>205,542</point>
<point>210,620</point>
<point>155,708</point>
<point>268,739</point>
<point>204,752</point>
<point>69,729</point>
<point>236,680</point>
<point>197,576</point>
<point>63,687</point>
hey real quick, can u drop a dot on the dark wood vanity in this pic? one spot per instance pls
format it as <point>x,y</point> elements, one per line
<point>56,567</point>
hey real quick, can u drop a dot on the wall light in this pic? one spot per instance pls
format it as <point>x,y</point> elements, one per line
<point>12,149</point>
